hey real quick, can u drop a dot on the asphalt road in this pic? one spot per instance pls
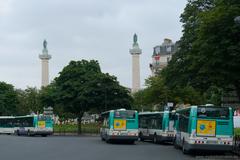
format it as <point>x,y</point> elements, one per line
<point>83,148</point>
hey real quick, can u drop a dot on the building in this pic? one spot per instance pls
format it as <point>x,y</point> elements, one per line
<point>162,54</point>
<point>135,51</point>
<point>45,57</point>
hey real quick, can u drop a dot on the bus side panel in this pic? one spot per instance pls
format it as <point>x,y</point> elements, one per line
<point>165,120</point>
<point>111,120</point>
<point>192,127</point>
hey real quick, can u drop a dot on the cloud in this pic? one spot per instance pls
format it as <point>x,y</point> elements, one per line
<point>77,29</point>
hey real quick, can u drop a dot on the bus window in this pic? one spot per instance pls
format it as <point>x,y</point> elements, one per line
<point>124,114</point>
<point>213,112</point>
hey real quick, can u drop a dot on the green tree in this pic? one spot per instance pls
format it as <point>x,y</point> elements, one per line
<point>218,46</point>
<point>82,87</point>
<point>8,99</point>
<point>209,49</point>
<point>182,68</point>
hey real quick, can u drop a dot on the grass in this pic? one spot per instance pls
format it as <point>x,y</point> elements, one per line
<point>92,128</point>
<point>237,131</point>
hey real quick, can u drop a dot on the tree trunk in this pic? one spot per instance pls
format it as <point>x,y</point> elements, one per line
<point>79,123</point>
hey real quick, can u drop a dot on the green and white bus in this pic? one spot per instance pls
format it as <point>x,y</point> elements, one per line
<point>120,124</point>
<point>156,126</point>
<point>204,128</point>
<point>33,125</point>
<point>6,124</point>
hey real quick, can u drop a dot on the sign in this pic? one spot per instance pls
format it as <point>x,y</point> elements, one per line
<point>206,128</point>
<point>41,124</point>
<point>119,124</point>
<point>48,111</point>
<point>170,104</point>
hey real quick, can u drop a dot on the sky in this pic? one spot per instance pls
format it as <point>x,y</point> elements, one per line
<point>82,29</point>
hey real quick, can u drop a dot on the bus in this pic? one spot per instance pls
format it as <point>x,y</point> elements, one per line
<point>33,125</point>
<point>120,124</point>
<point>204,128</point>
<point>156,126</point>
<point>6,124</point>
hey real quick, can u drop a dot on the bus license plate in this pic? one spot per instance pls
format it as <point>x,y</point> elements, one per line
<point>123,133</point>
<point>211,142</point>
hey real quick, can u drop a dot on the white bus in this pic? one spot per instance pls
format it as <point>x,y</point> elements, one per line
<point>6,124</point>
<point>156,126</point>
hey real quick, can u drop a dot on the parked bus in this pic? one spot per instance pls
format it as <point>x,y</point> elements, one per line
<point>120,124</point>
<point>6,124</point>
<point>33,125</point>
<point>156,126</point>
<point>204,128</point>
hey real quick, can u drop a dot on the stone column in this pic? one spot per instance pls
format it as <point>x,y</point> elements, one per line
<point>45,68</point>
<point>135,52</point>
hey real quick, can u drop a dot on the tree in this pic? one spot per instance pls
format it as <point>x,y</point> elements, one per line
<point>182,68</point>
<point>208,54</point>
<point>8,99</point>
<point>157,94</point>
<point>218,45</point>
<point>28,101</point>
<point>82,87</point>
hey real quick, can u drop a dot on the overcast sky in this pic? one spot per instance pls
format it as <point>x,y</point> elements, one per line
<point>82,29</point>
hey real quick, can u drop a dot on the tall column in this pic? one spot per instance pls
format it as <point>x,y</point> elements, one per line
<point>45,69</point>
<point>135,52</point>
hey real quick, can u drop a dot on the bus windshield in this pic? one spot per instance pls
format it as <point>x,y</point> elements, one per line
<point>213,112</point>
<point>124,114</point>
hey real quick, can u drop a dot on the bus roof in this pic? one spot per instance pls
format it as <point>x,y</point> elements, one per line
<point>121,109</point>
<point>195,106</point>
<point>25,116</point>
<point>1,117</point>
<point>150,113</point>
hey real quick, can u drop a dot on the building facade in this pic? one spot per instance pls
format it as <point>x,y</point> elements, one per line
<point>162,54</point>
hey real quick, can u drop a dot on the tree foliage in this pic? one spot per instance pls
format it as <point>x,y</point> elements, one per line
<point>28,101</point>
<point>82,87</point>
<point>208,54</point>
<point>8,99</point>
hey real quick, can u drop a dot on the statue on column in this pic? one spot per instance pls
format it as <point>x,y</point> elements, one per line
<point>135,38</point>
<point>45,44</point>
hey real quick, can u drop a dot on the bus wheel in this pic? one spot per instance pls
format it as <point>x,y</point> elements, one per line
<point>141,136</point>
<point>131,142</point>
<point>102,138</point>
<point>175,144</point>
<point>18,133</point>
<point>155,140</point>
<point>108,140</point>
<point>184,150</point>
<point>29,133</point>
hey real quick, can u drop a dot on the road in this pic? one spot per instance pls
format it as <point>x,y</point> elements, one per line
<point>83,148</point>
